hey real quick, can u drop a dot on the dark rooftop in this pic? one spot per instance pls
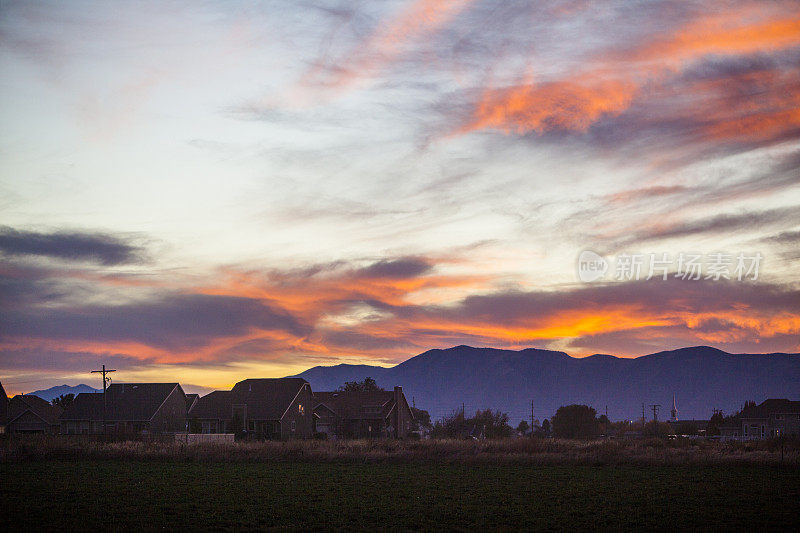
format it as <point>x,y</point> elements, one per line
<point>351,404</point>
<point>41,408</point>
<point>266,399</point>
<point>771,406</point>
<point>124,401</point>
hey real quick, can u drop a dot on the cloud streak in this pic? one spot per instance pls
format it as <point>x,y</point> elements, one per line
<point>97,248</point>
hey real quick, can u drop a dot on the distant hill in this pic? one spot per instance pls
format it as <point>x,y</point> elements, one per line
<point>55,392</point>
<point>702,378</point>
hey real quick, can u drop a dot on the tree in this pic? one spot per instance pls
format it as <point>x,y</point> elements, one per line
<point>546,427</point>
<point>63,401</point>
<point>654,428</point>
<point>716,421</point>
<point>523,427</point>
<point>486,423</point>
<point>421,418</point>
<point>575,422</point>
<point>604,424</point>
<point>368,385</point>
<point>452,426</point>
<point>490,424</point>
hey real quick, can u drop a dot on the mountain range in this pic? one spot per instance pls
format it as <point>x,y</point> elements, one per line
<point>702,378</point>
<point>55,392</point>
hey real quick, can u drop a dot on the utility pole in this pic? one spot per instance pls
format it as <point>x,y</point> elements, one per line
<point>531,418</point>
<point>463,411</point>
<point>655,407</point>
<point>105,384</point>
<point>643,415</point>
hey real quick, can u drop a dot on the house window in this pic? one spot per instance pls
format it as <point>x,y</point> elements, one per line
<point>294,425</point>
<point>300,409</point>
<point>252,425</point>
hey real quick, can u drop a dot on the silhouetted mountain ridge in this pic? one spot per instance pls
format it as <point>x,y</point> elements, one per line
<point>701,377</point>
<point>55,392</point>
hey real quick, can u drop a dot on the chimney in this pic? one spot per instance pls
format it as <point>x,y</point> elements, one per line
<point>398,419</point>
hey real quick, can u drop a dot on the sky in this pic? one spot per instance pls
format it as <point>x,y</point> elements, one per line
<point>208,191</point>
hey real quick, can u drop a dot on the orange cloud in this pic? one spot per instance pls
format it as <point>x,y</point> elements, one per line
<point>760,119</point>
<point>354,313</point>
<point>728,33</point>
<point>568,105</point>
<point>614,80</point>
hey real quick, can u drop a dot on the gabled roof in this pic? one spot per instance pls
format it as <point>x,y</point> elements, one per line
<point>124,402</point>
<point>771,406</point>
<point>39,407</point>
<point>215,406</point>
<point>266,399</point>
<point>352,404</point>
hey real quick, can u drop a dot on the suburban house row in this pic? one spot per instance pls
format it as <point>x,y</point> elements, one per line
<point>281,408</point>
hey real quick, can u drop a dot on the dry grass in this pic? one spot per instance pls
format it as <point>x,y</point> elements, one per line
<point>507,451</point>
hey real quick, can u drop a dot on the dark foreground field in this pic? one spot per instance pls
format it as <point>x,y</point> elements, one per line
<point>115,494</point>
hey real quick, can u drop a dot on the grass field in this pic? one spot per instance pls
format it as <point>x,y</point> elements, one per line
<point>533,452</point>
<point>115,494</point>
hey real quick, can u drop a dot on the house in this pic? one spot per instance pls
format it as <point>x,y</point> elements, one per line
<point>279,408</point>
<point>191,399</point>
<point>772,418</point>
<point>731,428</point>
<point>363,414</point>
<point>31,414</point>
<point>3,409</point>
<point>130,408</point>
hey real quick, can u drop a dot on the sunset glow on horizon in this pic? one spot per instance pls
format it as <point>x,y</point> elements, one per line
<point>209,193</point>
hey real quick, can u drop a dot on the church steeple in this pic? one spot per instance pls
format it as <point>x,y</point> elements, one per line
<point>674,412</point>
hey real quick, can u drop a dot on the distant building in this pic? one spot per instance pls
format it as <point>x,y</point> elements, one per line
<point>772,418</point>
<point>31,414</point>
<point>370,414</point>
<point>130,409</point>
<point>673,414</point>
<point>280,408</point>
<point>3,409</point>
